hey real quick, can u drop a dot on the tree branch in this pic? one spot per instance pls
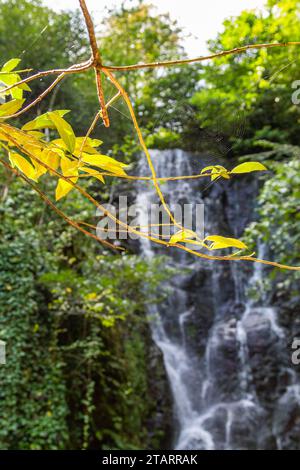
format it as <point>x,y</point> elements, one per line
<point>97,64</point>
<point>167,63</point>
<point>143,144</point>
<point>77,68</point>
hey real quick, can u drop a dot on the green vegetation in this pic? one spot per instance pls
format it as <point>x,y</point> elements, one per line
<point>251,92</point>
<point>73,318</point>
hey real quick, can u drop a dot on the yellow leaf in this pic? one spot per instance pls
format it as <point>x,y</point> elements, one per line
<point>93,172</point>
<point>62,189</point>
<point>219,242</point>
<point>182,236</point>
<point>38,135</point>
<point>106,163</point>
<point>10,65</point>
<point>216,171</point>
<point>59,151</point>
<point>64,129</point>
<point>11,107</point>
<point>16,92</point>
<point>40,170</point>
<point>23,165</point>
<point>67,164</point>
<point>47,156</point>
<point>89,146</point>
<point>248,167</point>
<point>43,121</point>
<point>69,168</point>
<point>50,158</point>
<point>8,78</point>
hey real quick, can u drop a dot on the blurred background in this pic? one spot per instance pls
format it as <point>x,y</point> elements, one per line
<point>212,368</point>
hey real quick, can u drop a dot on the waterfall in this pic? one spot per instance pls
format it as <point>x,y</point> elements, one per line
<point>224,352</point>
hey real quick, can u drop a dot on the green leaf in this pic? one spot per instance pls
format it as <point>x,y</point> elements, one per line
<point>10,65</point>
<point>248,167</point>
<point>219,242</point>
<point>64,129</point>
<point>43,121</point>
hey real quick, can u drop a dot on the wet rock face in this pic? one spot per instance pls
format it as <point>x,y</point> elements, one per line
<point>227,356</point>
<point>286,419</point>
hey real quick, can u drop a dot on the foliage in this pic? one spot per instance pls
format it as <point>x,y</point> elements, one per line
<point>278,221</point>
<point>251,92</point>
<point>43,39</point>
<point>71,379</point>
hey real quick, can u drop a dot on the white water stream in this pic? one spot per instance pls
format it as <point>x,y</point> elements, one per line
<point>209,413</point>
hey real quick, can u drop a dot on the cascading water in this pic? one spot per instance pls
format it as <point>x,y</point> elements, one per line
<point>225,354</point>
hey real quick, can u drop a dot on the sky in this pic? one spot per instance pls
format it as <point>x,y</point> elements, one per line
<point>201,18</point>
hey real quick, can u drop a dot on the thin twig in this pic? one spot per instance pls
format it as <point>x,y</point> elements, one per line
<point>40,97</point>
<point>143,144</point>
<point>94,122</point>
<point>13,72</point>
<point>77,68</point>
<point>167,63</point>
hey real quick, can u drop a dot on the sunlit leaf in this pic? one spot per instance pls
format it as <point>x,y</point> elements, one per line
<point>43,121</point>
<point>23,165</point>
<point>50,158</point>
<point>89,146</point>
<point>47,157</point>
<point>67,164</point>
<point>219,242</point>
<point>10,65</point>
<point>69,168</point>
<point>106,163</point>
<point>182,236</point>
<point>248,167</point>
<point>64,129</point>
<point>38,135</point>
<point>93,172</point>
<point>216,171</point>
<point>11,107</point>
<point>62,189</point>
<point>8,80</point>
